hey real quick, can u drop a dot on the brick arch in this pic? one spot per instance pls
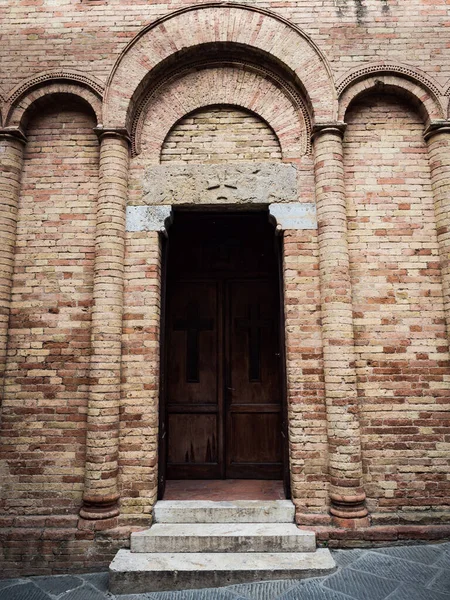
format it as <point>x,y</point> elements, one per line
<point>48,84</point>
<point>2,104</point>
<point>405,81</point>
<point>250,27</point>
<point>230,85</point>
<point>446,88</point>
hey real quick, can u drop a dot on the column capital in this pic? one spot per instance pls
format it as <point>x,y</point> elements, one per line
<point>435,127</point>
<point>333,127</point>
<point>13,133</point>
<point>117,132</point>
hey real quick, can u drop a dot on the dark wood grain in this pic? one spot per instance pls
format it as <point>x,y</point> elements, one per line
<point>223,379</point>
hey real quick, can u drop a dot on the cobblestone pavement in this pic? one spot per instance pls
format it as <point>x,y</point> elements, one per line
<point>394,573</point>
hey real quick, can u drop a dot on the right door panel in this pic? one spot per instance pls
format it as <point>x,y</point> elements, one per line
<point>252,386</point>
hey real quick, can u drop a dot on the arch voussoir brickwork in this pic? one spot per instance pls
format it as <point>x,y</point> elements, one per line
<point>402,80</point>
<point>246,26</point>
<point>227,84</point>
<point>47,84</point>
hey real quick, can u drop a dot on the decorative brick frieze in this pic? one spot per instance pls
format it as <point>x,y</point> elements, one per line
<point>347,497</point>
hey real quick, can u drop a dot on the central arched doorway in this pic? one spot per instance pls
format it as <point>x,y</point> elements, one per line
<point>223,390</point>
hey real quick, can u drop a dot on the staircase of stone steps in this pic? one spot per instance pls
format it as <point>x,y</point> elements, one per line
<point>206,544</point>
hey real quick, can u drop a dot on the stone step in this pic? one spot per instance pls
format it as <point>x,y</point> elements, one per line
<point>237,511</point>
<point>134,573</point>
<point>223,537</point>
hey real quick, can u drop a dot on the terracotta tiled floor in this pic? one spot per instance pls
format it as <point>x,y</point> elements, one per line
<point>226,489</point>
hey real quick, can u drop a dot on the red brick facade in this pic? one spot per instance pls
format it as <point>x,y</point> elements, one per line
<point>93,93</point>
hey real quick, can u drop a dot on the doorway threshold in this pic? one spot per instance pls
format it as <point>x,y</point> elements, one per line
<point>224,489</point>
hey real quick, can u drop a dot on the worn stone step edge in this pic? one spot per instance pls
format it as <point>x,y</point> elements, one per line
<point>134,573</point>
<point>223,537</point>
<point>210,511</point>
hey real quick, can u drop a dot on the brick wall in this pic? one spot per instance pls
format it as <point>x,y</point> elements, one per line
<point>304,366</point>
<point>140,377</point>
<point>45,395</point>
<point>401,343</point>
<point>220,134</point>
<point>90,34</point>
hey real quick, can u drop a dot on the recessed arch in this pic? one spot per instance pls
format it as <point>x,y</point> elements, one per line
<point>243,134</point>
<point>230,84</point>
<point>215,23</point>
<point>398,79</point>
<point>37,88</point>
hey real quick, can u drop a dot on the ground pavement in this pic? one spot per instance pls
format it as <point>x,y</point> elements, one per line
<point>394,573</point>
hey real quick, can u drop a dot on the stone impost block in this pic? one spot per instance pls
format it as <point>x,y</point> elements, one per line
<point>149,218</point>
<point>294,215</point>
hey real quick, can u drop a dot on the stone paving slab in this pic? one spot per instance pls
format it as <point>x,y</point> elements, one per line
<point>355,584</point>
<point>58,585</point>
<point>414,592</point>
<point>420,572</point>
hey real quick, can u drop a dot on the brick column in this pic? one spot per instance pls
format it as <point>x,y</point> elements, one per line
<point>437,136</point>
<point>12,142</point>
<point>100,498</point>
<point>347,497</point>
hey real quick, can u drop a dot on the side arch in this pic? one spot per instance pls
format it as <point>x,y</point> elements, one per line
<point>73,83</point>
<point>215,23</point>
<point>405,81</point>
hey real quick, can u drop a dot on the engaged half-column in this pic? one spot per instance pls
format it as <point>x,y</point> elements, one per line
<point>437,136</point>
<point>347,497</point>
<point>100,498</point>
<point>12,142</point>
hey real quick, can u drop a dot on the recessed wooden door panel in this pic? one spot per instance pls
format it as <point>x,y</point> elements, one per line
<point>223,382</point>
<point>193,394</point>
<point>253,393</point>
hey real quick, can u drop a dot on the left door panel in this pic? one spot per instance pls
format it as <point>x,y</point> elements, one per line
<point>193,391</point>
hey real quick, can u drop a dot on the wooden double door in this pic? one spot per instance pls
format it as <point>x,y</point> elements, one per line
<point>223,377</point>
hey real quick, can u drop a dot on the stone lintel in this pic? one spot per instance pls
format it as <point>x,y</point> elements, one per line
<point>243,183</point>
<point>149,218</point>
<point>294,215</point>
